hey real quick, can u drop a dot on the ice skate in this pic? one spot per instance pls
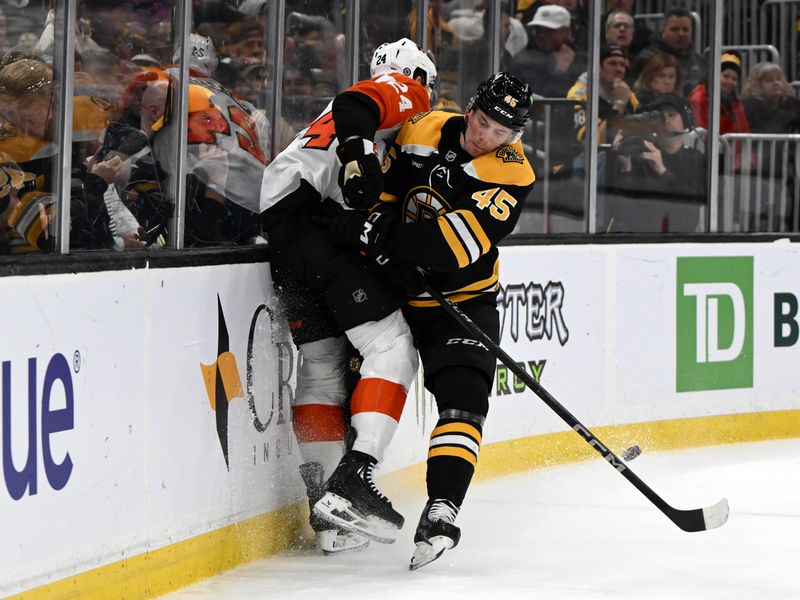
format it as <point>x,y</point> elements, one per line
<point>338,541</point>
<point>329,539</point>
<point>435,532</point>
<point>353,503</point>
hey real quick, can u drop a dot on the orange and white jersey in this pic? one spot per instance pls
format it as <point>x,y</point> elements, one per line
<point>223,130</point>
<point>312,154</point>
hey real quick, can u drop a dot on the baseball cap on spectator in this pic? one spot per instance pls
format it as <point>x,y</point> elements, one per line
<point>611,50</point>
<point>551,16</point>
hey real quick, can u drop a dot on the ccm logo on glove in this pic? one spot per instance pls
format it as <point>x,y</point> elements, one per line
<point>368,224</point>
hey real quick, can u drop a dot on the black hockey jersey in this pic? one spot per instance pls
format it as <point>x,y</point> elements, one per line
<point>455,207</point>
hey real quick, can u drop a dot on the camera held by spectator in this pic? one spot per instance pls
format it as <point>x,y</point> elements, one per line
<point>639,127</point>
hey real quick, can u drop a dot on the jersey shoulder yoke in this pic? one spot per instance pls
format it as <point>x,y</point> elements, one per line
<point>423,129</point>
<point>507,165</point>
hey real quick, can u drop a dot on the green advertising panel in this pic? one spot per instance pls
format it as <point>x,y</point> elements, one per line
<point>714,319</point>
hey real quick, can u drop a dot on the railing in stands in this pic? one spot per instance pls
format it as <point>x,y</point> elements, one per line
<point>759,190</point>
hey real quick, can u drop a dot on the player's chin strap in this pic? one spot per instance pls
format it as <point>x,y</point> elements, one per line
<point>698,519</point>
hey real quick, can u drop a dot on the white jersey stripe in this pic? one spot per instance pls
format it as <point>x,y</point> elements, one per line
<point>418,149</point>
<point>465,234</point>
<point>456,440</point>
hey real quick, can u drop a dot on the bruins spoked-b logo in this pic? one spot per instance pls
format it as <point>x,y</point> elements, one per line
<point>422,203</point>
<point>509,154</point>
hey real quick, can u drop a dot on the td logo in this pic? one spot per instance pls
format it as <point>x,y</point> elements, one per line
<point>714,323</point>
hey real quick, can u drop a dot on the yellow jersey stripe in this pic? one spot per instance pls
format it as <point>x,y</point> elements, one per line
<point>420,303</point>
<point>455,452</point>
<point>468,292</point>
<point>452,240</point>
<point>458,428</point>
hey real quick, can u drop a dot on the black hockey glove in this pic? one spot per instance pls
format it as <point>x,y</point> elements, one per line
<point>400,275</point>
<point>364,231</point>
<point>360,176</point>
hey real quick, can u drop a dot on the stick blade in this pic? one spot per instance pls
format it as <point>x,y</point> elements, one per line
<point>700,519</point>
<point>716,515</point>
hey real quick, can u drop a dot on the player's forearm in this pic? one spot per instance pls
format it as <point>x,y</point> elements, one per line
<point>355,114</point>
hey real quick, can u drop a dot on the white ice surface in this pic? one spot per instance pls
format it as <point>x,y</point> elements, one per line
<point>577,532</point>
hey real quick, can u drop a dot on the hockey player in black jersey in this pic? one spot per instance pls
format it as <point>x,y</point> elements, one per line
<point>454,187</point>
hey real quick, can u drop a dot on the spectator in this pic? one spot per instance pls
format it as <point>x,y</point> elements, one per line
<point>615,98</point>
<point>769,101</point>
<point>642,34</point>
<point>146,183</point>
<point>153,104</point>
<point>732,118</point>
<point>227,152</point>
<point>650,153</point>
<point>578,17</point>
<point>578,21</point>
<point>552,64</point>
<point>300,105</point>
<point>247,40</point>
<point>619,31</point>
<point>297,82</point>
<point>659,76</point>
<point>676,39</point>
<point>649,161</point>
<point>251,81</point>
<point>732,115</point>
<point>26,105</point>
<point>771,107</point>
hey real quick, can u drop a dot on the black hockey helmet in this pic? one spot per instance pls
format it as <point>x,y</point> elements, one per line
<point>505,99</point>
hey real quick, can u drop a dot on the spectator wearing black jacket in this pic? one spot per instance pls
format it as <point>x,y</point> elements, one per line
<point>649,161</point>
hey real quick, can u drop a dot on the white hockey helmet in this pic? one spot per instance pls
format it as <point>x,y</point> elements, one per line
<point>202,54</point>
<point>404,57</point>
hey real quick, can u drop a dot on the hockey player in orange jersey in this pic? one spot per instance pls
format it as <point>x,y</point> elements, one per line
<point>330,295</point>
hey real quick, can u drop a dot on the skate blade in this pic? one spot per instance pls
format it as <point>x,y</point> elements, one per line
<point>339,512</point>
<point>427,552</point>
<point>335,541</point>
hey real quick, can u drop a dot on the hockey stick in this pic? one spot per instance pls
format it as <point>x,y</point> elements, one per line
<point>698,519</point>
